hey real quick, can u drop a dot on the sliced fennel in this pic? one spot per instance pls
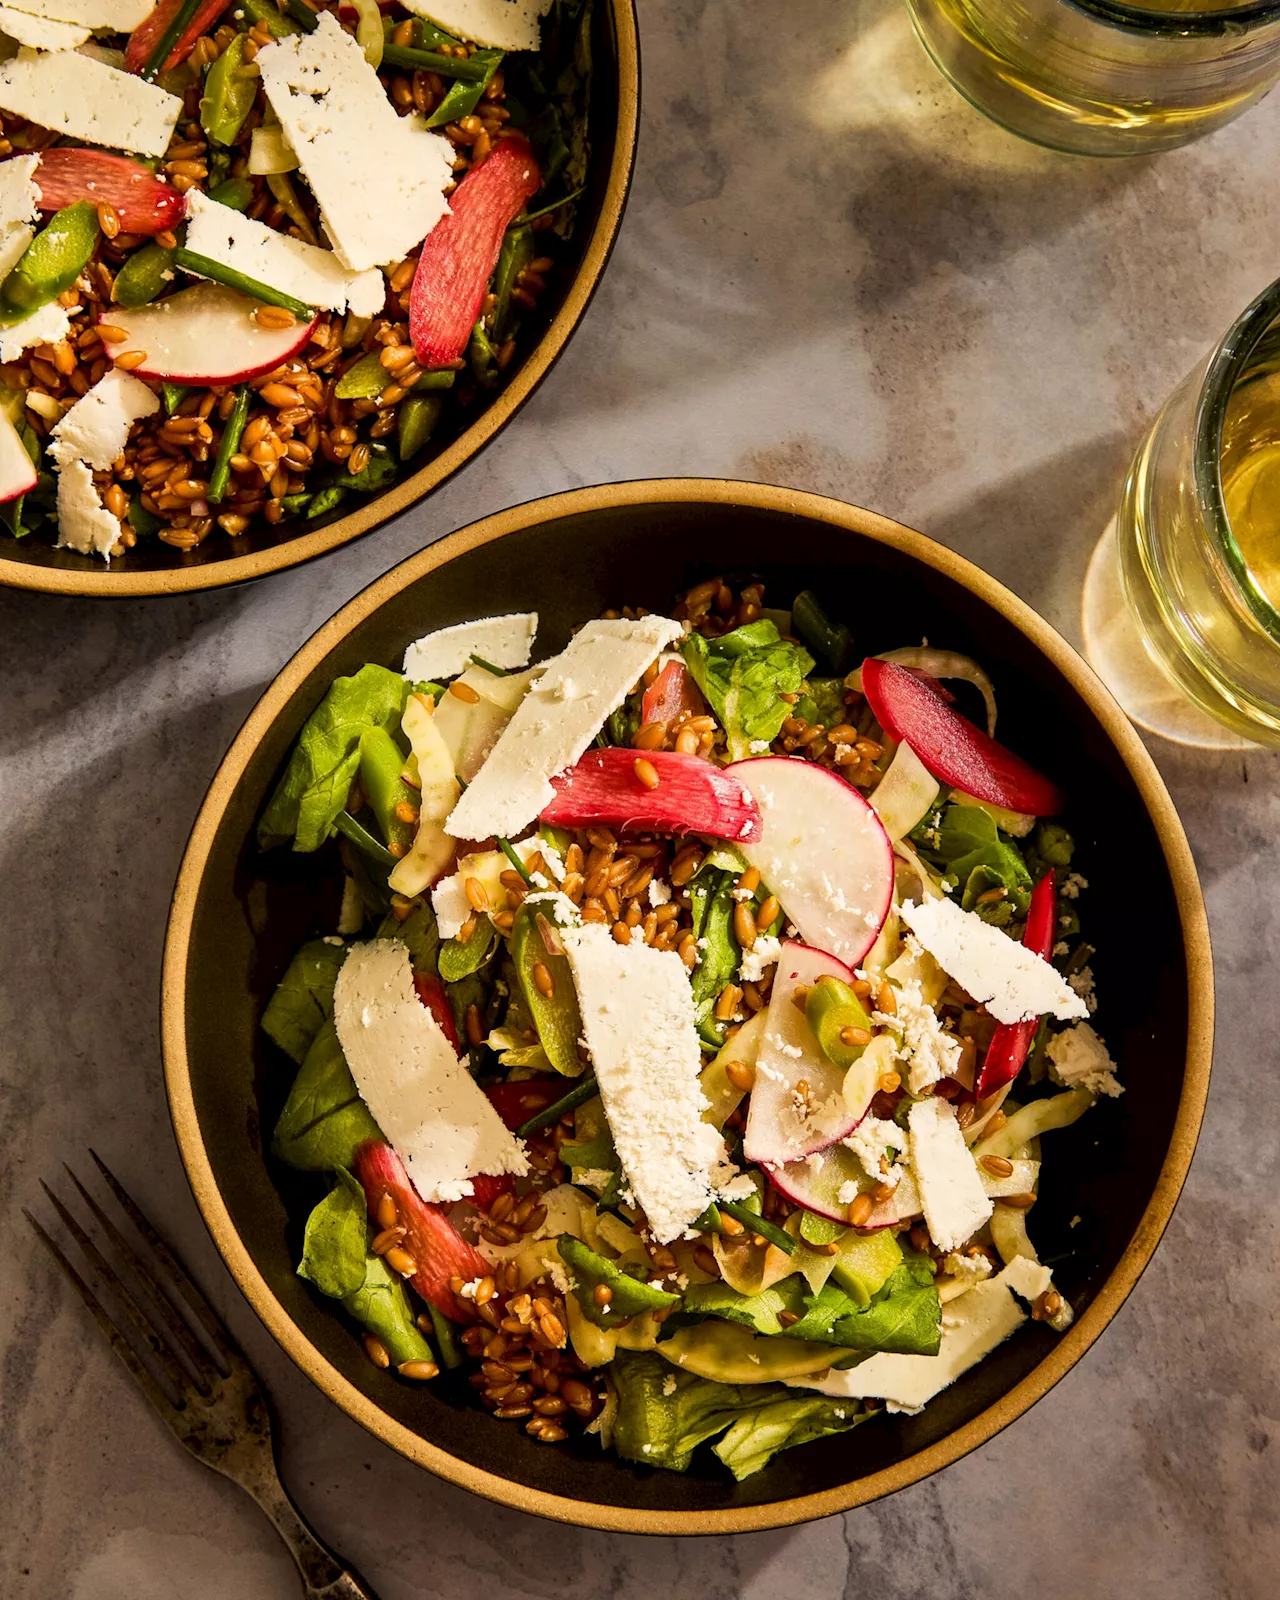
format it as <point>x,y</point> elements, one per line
<point>1041,1116</point>
<point>905,793</point>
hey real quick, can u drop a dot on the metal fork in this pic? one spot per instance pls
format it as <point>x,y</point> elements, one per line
<point>204,1390</point>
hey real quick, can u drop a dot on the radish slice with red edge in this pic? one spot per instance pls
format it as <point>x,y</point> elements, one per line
<point>692,795</point>
<point>203,335</point>
<point>461,251</point>
<point>17,474</point>
<point>670,693</point>
<point>816,1183</point>
<point>143,203</point>
<point>951,747</point>
<point>147,35</point>
<point>430,1238</point>
<point>823,851</point>
<point>1012,1040</point>
<point>783,1123</point>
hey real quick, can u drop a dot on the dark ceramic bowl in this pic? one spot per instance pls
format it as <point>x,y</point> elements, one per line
<point>238,915</point>
<point>154,568</point>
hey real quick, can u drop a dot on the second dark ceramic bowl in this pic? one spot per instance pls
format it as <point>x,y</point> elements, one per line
<point>239,914</point>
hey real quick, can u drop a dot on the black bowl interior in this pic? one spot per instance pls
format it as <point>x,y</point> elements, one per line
<point>254,909</point>
<point>149,555</point>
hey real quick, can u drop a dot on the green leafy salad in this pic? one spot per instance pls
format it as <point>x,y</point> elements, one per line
<point>676,1063</point>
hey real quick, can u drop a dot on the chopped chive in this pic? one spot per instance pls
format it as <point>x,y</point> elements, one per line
<point>450,1353</point>
<point>581,1092</point>
<point>488,666</point>
<point>229,443</point>
<point>465,67</point>
<point>755,1223</point>
<point>526,217</point>
<point>363,839</point>
<point>505,846</point>
<point>302,14</point>
<point>178,25</point>
<point>206,267</point>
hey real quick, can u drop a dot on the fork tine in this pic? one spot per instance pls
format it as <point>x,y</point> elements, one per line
<point>138,1368</point>
<point>141,1322</point>
<point>175,1324</point>
<point>200,1307</point>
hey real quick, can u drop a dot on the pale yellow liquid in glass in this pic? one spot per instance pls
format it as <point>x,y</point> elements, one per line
<point>1251,477</point>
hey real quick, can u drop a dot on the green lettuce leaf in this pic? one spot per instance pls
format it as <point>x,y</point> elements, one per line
<point>823,701</point>
<point>744,675</point>
<point>904,1317</point>
<point>324,1118</point>
<point>758,1311</point>
<point>326,758</point>
<point>719,954</point>
<point>665,1414</point>
<point>303,999</point>
<point>337,1259</point>
<point>978,859</point>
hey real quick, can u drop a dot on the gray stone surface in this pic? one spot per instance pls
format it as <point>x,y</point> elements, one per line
<point>836,276</point>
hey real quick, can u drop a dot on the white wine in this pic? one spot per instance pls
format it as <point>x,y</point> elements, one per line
<point>1250,466</point>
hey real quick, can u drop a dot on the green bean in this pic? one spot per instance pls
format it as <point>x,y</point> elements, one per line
<point>465,67</point>
<point>229,443</point>
<point>753,1221</point>
<point>585,1090</point>
<point>363,840</point>
<point>302,14</point>
<point>52,261</point>
<point>206,267</point>
<point>417,418</point>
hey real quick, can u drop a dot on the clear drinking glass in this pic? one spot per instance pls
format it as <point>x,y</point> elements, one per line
<point>1101,78</point>
<point>1198,530</point>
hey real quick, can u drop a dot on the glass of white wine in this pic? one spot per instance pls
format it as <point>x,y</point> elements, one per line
<point>1098,77</point>
<point>1198,530</point>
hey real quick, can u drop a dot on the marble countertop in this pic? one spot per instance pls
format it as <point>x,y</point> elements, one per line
<point>833,275</point>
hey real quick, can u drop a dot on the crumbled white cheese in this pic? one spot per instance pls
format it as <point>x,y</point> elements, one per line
<point>96,428</point>
<point>1071,888</point>
<point>47,324</point>
<point>19,208</point>
<point>41,33</point>
<point>84,524</point>
<point>924,1047</point>
<point>758,747</point>
<point>437,1118</point>
<point>553,726</point>
<point>1078,1059</point>
<point>1013,982</point>
<point>954,1202</point>
<point>761,956</point>
<point>1083,984</point>
<point>967,1269</point>
<point>1028,1278</point>
<point>638,1020</point>
<point>597,1179</point>
<point>880,1145</point>
<point>659,892</point>
<point>378,180</point>
<point>303,270</point>
<point>504,24</point>
<point>563,1280</point>
<point>504,642</point>
<point>669,1384</point>
<point>74,95</point>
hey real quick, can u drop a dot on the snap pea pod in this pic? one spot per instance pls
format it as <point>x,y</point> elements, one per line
<point>381,763</point>
<point>206,267</point>
<point>174,395</point>
<point>367,378</point>
<point>437,378</point>
<point>229,443</point>
<point>417,418</point>
<point>230,88</point>
<point>582,1091</point>
<point>830,641</point>
<point>515,254</point>
<point>52,261</point>
<point>278,26</point>
<point>464,95</point>
<point>541,966</point>
<point>832,1011</point>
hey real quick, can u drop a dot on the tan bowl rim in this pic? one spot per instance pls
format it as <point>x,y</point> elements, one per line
<point>1092,1320</point>
<point>102,583</point>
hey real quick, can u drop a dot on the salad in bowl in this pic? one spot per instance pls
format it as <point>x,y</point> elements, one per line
<point>677,1064</point>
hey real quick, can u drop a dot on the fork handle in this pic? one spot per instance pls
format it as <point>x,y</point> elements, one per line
<point>325,1577</point>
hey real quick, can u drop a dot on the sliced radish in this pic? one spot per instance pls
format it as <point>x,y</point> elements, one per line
<point>823,851</point>
<point>17,474</point>
<point>203,335</point>
<point>670,693</point>
<point>692,795</point>
<point>143,203</point>
<point>816,1183</point>
<point>1012,1040</point>
<point>904,1204</point>
<point>785,1123</point>
<point>953,750</point>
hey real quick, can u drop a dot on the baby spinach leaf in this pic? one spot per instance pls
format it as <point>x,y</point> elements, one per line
<point>719,954</point>
<point>324,1118</point>
<point>326,757</point>
<point>977,859</point>
<point>758,1311</point>
<point>744,675</point>
<point>303,999</point>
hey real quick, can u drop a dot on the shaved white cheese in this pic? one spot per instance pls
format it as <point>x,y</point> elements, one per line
<point>439,1121</point>
<point>73,94</point>
<point>110,16</point>
<point>1027,1278</point>
<point>1078,1059</point>
<point>41,33</point>
<point>556,721</point>
<point>378,180</point>
<point>505,24</point>
<point>973,1324</point>
<point>97,426</point>
<point>19,208</point>
<point>47,324</point>
<point>954,1202</point>
<point>1013,982</point>
<point>501,641</point>
<point>638,1023</point>
<point>300,269</point>
<point>84,524</point>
